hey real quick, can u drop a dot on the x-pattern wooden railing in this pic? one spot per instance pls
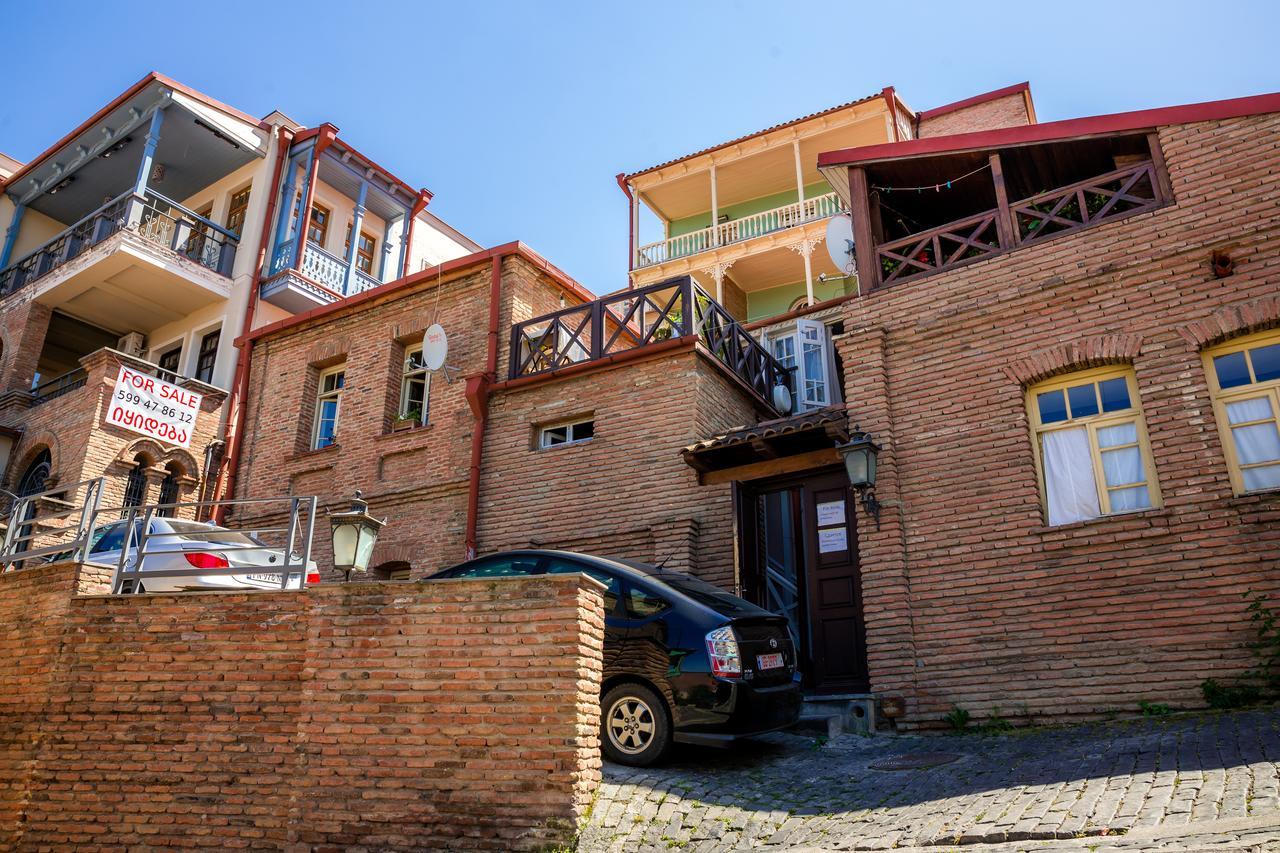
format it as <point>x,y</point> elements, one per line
<point>639,318</point>
<point>939,248</point>
<point>1086,202</point>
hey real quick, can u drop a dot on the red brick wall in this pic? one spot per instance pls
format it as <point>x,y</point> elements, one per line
<point>417,478</point>
<point>970,598</point>
<point>386,716</point>
<point>1009,111</point>
<point>626,492</point>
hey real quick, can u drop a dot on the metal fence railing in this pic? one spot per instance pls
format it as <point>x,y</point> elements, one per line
<point>161,543</point>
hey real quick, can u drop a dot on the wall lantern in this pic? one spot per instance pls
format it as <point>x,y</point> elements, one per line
<point>354,534</point>
<point>859,454</point>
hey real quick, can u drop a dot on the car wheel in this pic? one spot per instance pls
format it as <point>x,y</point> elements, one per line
<point>634,726</point>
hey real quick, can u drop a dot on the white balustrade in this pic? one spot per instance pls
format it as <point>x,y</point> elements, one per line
<point>737,230</point>
<point>323,268</point>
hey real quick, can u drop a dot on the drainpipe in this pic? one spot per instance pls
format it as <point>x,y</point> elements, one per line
<point>478,387</point>
<point>240,384</point>
<point>631,225</point>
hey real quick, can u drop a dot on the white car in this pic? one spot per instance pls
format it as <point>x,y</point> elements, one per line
<point>181,546</point>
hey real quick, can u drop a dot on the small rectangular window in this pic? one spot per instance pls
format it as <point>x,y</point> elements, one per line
<point>365,250</point>
<point>236,212</point>
<point>168,362</point>
<point>328,407</point>
<point>805,350</point>
<point>569,433</point>
<point>318,227</point>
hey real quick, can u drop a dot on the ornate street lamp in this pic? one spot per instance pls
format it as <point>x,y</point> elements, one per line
<point>354,534</point>
<point>859,454</point>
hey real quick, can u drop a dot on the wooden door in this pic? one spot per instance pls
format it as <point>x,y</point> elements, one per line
<point>838,654</point>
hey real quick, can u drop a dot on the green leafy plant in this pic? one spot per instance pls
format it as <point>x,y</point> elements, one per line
<point>1266,642</point>
<point>1154,709</point>
<point>996,723</point>
<point>957,718</point>
<point>1227,696</point>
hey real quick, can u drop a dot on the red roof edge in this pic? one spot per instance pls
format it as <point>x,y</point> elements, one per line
<point>154,76</point>
<point>391,287</point>
<point>973,101</point>
<point>1055,130</point>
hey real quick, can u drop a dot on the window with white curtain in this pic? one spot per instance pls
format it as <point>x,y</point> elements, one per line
<point>1244,379</point>
<point>805,348</point>
<point>1092,453</point>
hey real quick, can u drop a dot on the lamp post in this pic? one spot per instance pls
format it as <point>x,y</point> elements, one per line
<point>354,534</point>
<point>859,454</point>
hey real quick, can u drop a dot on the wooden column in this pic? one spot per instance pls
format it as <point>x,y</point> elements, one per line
<point>1005,226</point>
<point>863,242</point>
<point>715,209</point>
<point>795,145</point>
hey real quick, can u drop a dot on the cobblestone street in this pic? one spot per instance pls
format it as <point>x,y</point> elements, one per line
<point>1163,783</point>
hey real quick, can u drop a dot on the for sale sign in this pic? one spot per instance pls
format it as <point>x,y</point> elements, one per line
<point>153,407</point>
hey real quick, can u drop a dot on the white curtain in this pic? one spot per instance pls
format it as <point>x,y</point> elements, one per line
<point>1068,476</point>
<point>1256,443</point>
<point>1123,466</point>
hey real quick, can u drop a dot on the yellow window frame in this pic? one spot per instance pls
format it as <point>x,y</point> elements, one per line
<point>1254,390</point>
<point>1093,423</point>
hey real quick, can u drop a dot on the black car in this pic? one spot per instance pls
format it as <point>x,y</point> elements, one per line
<point>684,661</point>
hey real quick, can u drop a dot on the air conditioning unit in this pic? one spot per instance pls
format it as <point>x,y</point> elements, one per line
<point>134,343</point>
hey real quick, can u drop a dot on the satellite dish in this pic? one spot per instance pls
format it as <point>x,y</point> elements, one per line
<point>782,399</point>
<point>840,242</point>
<point>435,347</point>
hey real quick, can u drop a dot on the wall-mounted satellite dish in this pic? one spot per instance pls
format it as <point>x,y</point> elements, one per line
<point>840,242</point>
<point>782,399</point>
<point>435,347</point>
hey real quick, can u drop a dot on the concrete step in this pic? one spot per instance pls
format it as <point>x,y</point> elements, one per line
<point>819,725</point>
<point>838,714</point>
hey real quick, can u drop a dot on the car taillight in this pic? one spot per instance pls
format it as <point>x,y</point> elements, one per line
<point>313,577</point>
<point>722,649</point>
<point>201,560</point>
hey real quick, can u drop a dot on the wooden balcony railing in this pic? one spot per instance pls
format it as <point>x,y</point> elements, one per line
<point>322,268</point>
<point>1122,192</point>
<point>738,230</point>
<point>152,217</point>
<point>643,317</point>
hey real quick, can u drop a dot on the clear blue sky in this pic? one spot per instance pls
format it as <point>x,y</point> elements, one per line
<point>518,115</point>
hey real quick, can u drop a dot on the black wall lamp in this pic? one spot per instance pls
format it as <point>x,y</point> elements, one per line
<point>859,454</point>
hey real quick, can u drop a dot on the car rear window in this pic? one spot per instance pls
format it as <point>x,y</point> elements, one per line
<point>206,532</point>
<point>724,603</point>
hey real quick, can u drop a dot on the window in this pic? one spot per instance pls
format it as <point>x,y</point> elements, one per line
<point>207,356</point>
<point>168,362</point>
<point>318,227</point>
<point>1244,379</point>
<point>569,433</point>
<point>135,485</point>
<point>612,585</point>
<point>328,404</point>
<point>364,250</point>
<point>500,567</point>
<point>642,604</point>
<point>805,349</point>
<point>1092,453</point>
<point>236,212</point>
<point>415,385</point>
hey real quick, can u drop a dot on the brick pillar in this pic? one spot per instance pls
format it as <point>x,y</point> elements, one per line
<point>886,581</point>
<point>24,326</point>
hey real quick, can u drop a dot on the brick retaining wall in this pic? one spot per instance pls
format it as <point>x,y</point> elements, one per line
<point>389,715</point>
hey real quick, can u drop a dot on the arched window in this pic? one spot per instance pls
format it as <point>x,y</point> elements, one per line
<point>396,570</point>
<point>135,487</point>
<point>32,483</point>
<point>1244,379</point>
<point>169,489</point>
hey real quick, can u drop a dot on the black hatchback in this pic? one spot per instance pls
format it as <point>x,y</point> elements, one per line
<point>684,661</point>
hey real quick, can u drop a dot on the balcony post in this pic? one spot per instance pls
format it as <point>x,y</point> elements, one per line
<point>386,251</point>
<point>287,206</point>
<point>357,220</point>
<point>306,194</point>
<point>149,152</point>
<point>715,210</point>
<point>11,235</point>
<point>795,146</point>
<point>635,233</point>
<point>863,241</point>
<point>1004,220</point>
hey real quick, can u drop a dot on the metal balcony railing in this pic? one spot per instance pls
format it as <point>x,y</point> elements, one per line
<point>153,217</point>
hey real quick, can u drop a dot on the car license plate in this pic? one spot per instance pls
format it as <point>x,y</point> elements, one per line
<point>264,578</point>
<point>772,661</point>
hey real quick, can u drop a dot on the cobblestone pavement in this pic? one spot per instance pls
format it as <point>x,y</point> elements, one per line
<point>1162,781</point>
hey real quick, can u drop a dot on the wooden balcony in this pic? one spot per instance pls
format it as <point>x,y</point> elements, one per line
<point>1128,191</point>
<point>644,317</point>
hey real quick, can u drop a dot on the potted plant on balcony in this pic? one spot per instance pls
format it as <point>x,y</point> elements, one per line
<point>406,420</point>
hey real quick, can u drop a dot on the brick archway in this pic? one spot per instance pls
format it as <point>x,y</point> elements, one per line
<point>1075,355</point>
<point>1232,321</point>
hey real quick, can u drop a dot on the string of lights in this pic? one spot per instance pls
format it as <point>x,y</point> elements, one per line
<point>938,187</point>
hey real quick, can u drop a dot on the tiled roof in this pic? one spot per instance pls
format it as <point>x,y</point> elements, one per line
<point>816,419</point>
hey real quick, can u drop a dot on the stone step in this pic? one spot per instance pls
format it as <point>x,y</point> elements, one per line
<point>820,725</point>
<point>850,713</point>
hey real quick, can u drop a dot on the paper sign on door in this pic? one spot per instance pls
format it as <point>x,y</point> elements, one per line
<point>830,513</point>
<point>834,540</point>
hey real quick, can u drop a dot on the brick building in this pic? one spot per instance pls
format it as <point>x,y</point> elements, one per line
<point>1063,340</point>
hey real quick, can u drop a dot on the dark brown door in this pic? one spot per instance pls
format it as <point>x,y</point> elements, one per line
<point>800,559</point>
<point>833,586</point>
